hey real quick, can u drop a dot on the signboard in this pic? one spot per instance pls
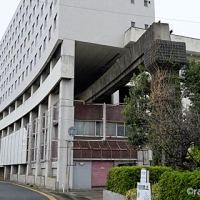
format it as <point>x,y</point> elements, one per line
<point>143,191</point>
<point>72,131</point>
<point>143,176</point>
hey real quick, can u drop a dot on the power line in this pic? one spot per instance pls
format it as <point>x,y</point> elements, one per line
<point>122,13</point>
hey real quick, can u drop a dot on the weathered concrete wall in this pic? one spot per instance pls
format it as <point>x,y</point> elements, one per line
<point>51,183</point>
<point>108,195</point>
<point>121,72</point>
<point>13,177</point>
<point>40,181</point>
<point>30,179</point>
<point>22,178</point>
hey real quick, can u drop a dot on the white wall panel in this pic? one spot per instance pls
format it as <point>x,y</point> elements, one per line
<point>13,148</point>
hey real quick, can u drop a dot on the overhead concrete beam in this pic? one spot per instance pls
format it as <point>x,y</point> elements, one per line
<point>121,72</point>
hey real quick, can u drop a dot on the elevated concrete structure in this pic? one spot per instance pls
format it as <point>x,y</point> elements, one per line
<point>153,46</point>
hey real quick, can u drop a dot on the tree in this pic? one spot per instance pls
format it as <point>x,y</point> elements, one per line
<point>156,118</point>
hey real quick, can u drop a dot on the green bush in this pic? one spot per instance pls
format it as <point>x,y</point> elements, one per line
<point>174,185</point>
<point>132,194</point>
<point>122,179</point>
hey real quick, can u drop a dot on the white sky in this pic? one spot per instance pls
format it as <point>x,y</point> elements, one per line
<point>183,16</point>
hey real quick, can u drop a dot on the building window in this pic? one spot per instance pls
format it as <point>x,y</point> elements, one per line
<point>35,59</point>
<point>20,64</point>
<point>55,22</point>
<point>28,52</point>
<point>24,58</point>
<point>31,65</point>
<point>42,10</point>
<point>19,78</point>
<point>29,35</point>
<point>34,10</point>
<point>146,26</point>
<point>27,10</point>
<point>50,10</point>
<point>21,48</point>
<point>36,39</point>
<point>132,24</point>
<point>22,32</point>
<point>32,46</point>
<point>19,23</point>
<point>146,3</point>
<point>50,33</point>
<point>38,3</point>
<point>37,20</point>
<point>26,71</point>
<point>24,42</point>
<point>41,28</point>
<point>33,28</point>
<point>29,20</point>
<point>22,76</point>
<point>26,24</point>
<point>40,51</point>
<point>22,18</point>
<point>45,41</point>
<point>45,21</point>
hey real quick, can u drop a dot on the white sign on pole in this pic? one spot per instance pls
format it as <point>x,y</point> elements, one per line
<point>143,191</point>
<point>143,176</point>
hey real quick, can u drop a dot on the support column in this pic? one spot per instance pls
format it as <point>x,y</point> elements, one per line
<point>41,110</point>
<point>66,114</point>
<point>52,98</point>
<point>6,172</point>
<point>29,170</point>
<point>115,98</point>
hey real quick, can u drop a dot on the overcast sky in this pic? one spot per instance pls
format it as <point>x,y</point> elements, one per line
<point>183,16</point>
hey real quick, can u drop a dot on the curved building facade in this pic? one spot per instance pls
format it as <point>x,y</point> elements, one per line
<point>51,52</point>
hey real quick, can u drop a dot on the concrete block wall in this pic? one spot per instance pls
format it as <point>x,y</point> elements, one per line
<point>40,181</point>
<point>22,178</point>
<point>51,183</point>
<point>13,177</point>
<point>30,179</point>
<point>108,195</point>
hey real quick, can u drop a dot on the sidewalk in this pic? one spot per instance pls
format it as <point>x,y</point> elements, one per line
<point>90,194</point>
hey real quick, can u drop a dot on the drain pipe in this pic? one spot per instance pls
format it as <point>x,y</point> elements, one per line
<point>104,121</point>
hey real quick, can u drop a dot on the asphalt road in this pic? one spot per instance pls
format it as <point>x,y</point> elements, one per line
<point>13,192</point>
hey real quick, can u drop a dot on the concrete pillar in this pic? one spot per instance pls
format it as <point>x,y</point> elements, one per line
<point>6,172</point>
<point>41,110</point>
<point>29,170</point>
<point>115,98</point>
<point>12,170</point>
<point>66,114</point>
<point>52,98</point>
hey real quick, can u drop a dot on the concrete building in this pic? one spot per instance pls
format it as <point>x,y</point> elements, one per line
<point>51,52</point>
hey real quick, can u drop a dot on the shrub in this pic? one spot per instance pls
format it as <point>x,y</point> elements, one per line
<point>122,179</point>
<point>174,185</point>
<point>132,194</point>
